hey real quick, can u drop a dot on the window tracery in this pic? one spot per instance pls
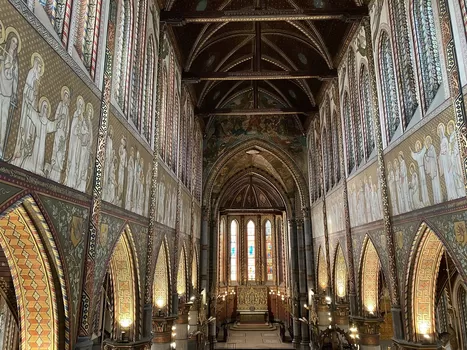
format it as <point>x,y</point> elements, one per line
<point>389,95</point>
<point>427,47</point>
<point>251,251</point>
<point>404,63</point>
<point>148,91</point>
<point>367,103</point>
<point>349,133</point>
<point>335,147</point>
<point>356,123</point>
<point>269,252</point>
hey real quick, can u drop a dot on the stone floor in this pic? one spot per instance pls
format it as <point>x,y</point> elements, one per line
<point>254,339</point>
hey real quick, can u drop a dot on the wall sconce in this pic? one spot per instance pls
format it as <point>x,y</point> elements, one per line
<point>125,326</point>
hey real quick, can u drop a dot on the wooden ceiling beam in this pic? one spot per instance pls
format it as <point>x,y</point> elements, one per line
<point>180,18</point>
<point>189,77</point>
<point>254,111</point>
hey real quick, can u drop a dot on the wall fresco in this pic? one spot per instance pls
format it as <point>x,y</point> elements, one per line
<point>425,169</point>
<point>48,116</point>
<point>196,221</point>
<point>226,132</point>
<point>127,170</point>
<point>364,195</point>
<point>335,211</point>
<point>70,222</point>
<point>185,213</point>
<point>166,205</point>
<point>317,220</point>
<point>7,191</point>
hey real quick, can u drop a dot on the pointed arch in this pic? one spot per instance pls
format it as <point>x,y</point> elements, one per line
<point>348,127</point>
<point>123,269</point>
<point>322,271</point>
<point>355,115</point>
<point>147,104</point>
<point>369,274</point>
<point>181,274</point>
<point>194,270</point>
<point>38,276</point>
<point>422,272</point>
<point>269,251</point>
<point>161,284</point>
<point>366,101</point>
<point>340,273</point>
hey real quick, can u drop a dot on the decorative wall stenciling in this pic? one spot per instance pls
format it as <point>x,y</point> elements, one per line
<point>47,126</point>
<point>322,271</point>
<point>340,274</point>
<point>370,278</point>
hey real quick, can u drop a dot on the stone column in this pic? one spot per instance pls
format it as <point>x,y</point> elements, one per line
<point>192,328</point>
<point>308,252</point>
<point>295,285</point>
<point>341,315</point>
<point>323,310</point>
<point>162,333</point>
<point>302,283</point>
<point>181,327</point>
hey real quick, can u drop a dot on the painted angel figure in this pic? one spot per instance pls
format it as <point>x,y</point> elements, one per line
<point>8,85</point>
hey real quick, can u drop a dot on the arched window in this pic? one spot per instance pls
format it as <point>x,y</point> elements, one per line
<point>349,133</point>
<point>405,64</point>
<point>391,108</point>
<point>181,275</point>
<point>161,280</point>
<point>233,250</point>
<point>356,122</point>
<point>58,12</point>
<point>87,35</point>
<point>367,103</point>
<point>122,51</point>
<point>335,147</point>
<point>251,250</point>
<point>222,250</point>
<point>269,250</point>
<point>164,112</point>
<point>427,47</point>
<point>175,133</point>
<point>148,91</point>
<point>311,167</point>
<point>325,159</point>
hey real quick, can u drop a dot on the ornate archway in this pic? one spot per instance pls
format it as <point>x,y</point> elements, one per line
<point>323,282</point>
<point>181,275</point>
<point>370,271</point>
<point>41,297</point>
<point>161,285</point>
<point>340,274</point>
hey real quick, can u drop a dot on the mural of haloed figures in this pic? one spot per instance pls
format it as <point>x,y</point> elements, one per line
<point>432,171</point>
<point>41,129</point>
<point>166,198</point>
<point>127,171</point>
<point>364,193</point>
<point>335,211</point>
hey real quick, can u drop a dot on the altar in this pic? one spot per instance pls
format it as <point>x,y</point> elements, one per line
<point>252,304</point>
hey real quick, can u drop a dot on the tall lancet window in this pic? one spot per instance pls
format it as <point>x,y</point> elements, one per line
<point>122,50</point>
<point>233,250</point>
<point>251,250</point>
<point>269,250</point>
<point>367,102</point>
<point>349,134</point>
<point>391,108</point>
<point>221,251</point>
<point>427,49</point>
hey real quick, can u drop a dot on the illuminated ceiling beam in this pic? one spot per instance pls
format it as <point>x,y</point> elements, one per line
<point>253,111</point>
<point>190,77</point>
<point>180,18</point>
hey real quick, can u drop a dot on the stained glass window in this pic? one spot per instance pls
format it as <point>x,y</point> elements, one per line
<point>391,108</point>
<point>164,112</point>
<point>349,133</point>
<point>325,159</point>
<point>56,11</point>
<point>251,250</point>
<point>170,114</point>
<point>427,49</point>
<point>122,49</point>
<point>335,147</point>
<point>233,250</point>
<point>269,252</point>
<point>148,91</point>
<point>221,250</point>
<point>175,131</point>
<point>367,103</point>
<point>405,64</point>
<point>311,167</point>
<point>356,124</point>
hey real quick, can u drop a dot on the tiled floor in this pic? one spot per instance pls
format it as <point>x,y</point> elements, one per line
<point>254,340</point>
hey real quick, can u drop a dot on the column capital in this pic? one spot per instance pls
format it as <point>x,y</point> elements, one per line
<point>162,329</point>
<point>368,327</point>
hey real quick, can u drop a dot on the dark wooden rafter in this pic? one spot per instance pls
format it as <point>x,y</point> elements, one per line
<point>255,111</point>
<point>190,77</point>
<point>179,18</point>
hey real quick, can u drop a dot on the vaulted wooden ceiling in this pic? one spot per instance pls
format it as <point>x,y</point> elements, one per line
<point>247,57</point>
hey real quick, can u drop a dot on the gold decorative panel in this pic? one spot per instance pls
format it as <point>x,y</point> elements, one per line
<point>370,277</point>
<point>252,298</point>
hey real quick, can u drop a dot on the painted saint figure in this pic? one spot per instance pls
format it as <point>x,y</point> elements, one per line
<point>456,165</point>
<point>26,131</point>
<point>419,156</point>
<point>8,85</point>
<point>109,158</point>
<point>431,168</point>
<point>130,180</point>
<point>444,162</point>
<point>414,189</point>
<point>61,136</point>
<point>404,192</point>
<point>122,164</point>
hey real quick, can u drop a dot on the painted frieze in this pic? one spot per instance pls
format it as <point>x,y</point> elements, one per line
<point>166,199</point>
